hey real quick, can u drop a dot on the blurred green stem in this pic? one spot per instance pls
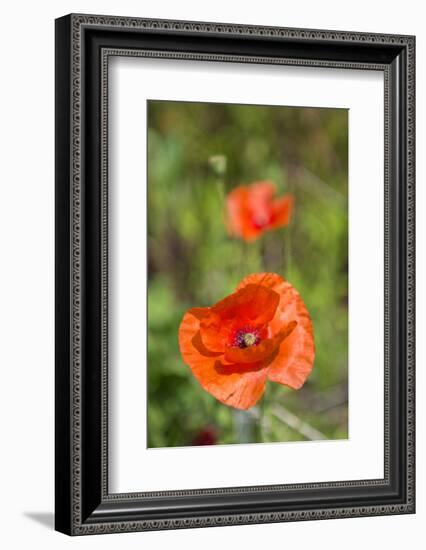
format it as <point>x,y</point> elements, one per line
<point>243,424</point>
<point>288,241</point>
<point>220,186</point>
<point>287,252</point>
<point>248,428</point>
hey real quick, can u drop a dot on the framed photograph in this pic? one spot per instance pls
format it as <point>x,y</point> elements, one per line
<point>234,274</point>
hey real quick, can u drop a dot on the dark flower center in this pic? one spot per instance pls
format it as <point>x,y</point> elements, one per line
<point>246,337</point>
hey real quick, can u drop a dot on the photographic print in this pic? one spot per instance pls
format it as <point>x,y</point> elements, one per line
<point>247,274</point>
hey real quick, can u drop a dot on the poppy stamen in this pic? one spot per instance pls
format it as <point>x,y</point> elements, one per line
<point>249,339</point>
<point>246,337</point>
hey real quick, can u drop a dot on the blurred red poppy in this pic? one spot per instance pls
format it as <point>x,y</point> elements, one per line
<point>206,436</point>
<point>252,210</point>
<point>261,331</point>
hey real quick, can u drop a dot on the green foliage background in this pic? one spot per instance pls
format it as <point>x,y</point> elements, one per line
<point>193,262</point>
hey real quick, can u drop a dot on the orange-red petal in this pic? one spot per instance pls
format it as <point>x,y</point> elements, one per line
<point>294,361</point>
<point>254,304</point>
<point>238,214</point>
<point>233,385</point>
<point>281,210</point>
<point>295,358</point>
<point>214,332</point>
<point>261,194</point>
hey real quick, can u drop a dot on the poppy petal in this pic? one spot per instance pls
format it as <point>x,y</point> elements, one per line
<point>247,390</point>
<point>234,385</point>
<point>214,333</point>
<point>260,200</point>
<point>286,310</point>
<point>254,304</point>
<point>281,211</point>
<point>295,358</point>
<point>239,218</point>
<point>269,280</point>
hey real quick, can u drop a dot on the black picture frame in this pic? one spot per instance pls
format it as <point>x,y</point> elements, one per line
<point>83,46</point>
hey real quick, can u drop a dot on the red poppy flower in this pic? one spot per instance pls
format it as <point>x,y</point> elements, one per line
<point>206,436</point>
<point>261,331</point>
<point>252,210</point>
